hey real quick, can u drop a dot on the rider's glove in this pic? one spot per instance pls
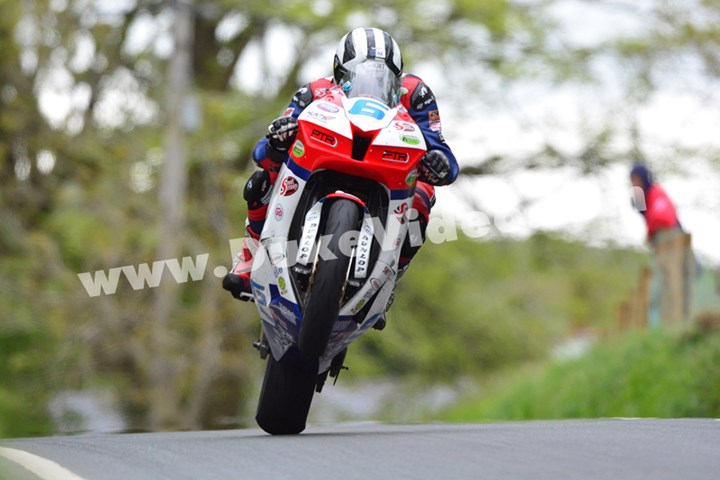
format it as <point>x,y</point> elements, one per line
<point>434,168</point>
<point>281,133</point>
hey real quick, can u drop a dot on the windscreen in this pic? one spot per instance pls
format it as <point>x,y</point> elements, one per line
<point>372,79</point>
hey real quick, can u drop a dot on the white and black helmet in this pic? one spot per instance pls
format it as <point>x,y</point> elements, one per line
<point>362,44</point>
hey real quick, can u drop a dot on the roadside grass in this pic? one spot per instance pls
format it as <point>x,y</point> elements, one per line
<point>645,374</point>
<point>471,307</point>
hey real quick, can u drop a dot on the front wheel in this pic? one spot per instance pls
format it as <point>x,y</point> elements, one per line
<point>286,394</point>
<point>326,291</point>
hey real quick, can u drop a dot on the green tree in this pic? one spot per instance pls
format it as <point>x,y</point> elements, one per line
<point>84,150</point>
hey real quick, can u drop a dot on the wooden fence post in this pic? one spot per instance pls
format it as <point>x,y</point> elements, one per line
<point>643,298</point>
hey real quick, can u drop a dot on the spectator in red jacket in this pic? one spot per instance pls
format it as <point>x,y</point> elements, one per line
<point>673,263</point>
<point>653,203</point>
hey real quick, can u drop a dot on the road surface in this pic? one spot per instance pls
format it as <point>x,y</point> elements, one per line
<point>617,449</point>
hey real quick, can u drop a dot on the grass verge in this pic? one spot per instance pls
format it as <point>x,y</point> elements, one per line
<point>648,374</point>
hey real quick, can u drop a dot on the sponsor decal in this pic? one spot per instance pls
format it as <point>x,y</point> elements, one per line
<point>342,329</point>
<point>411,178</point>
<point>260,297</point>
<point>364,246</point>
<point>401,212</point>
<point>319,116</point>
<point>276,258</point>
<point>310,229</point>
<point>282,334</point>
<point>376,53</point>
<point>404,126</point>
<point>368,108</point>
<point>312,216</point>
<point>441,137</point>
<point>435,126</point>
<point>289,186</point>
<point>323,137</point>
<point>303,97</point>
<point>288,112</point>
<point>298,149</point>
<point>368,295</point>
<point>279,212</point>
<point>277,271</point>
<point>282,312</point>
<point>320,92</point>
<point>359,305</point>
<point>375,283</point>
<point>282,285</point>
<point>410,140</point>
<point>266,317</point>
<point>421,97</point>
<point>424,105</point>
<point>266,198</point>
<point>328,107</point>
<point>395,156</point>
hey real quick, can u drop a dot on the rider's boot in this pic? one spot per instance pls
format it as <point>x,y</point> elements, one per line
<point>237,282</point>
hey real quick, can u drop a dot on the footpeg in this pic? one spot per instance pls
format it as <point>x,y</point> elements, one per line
<point>261,347</point>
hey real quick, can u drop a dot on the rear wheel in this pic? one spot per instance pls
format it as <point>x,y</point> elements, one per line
<point>323,303</point>
<point>286,394</point>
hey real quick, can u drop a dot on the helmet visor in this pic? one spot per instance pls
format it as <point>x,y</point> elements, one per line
<point>374,79</point>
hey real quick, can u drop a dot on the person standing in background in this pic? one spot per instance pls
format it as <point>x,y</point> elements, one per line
<point>653,204</point>
<point>673,263</point>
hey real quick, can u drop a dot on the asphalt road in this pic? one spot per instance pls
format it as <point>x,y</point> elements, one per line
<point>617,449</point>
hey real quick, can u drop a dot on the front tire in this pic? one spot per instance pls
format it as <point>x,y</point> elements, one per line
<point>323,303</point>
<point>286,394</point>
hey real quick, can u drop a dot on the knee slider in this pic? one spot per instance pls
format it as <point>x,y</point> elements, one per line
<point>258,189</point>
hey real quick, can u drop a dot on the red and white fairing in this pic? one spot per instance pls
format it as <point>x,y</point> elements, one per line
<point>356,137</point>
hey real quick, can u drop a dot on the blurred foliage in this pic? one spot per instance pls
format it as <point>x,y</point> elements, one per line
<point>82,91</point>
<point>469,307</point>
<point>650,374</point>
<point>81,151</point>
<point>25,349</point>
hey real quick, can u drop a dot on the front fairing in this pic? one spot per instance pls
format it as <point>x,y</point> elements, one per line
<point>327,129</point>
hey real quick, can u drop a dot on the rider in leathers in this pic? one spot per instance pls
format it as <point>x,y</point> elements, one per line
<point>437,167</point>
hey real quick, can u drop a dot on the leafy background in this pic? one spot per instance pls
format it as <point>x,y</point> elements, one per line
<point>100,119</point>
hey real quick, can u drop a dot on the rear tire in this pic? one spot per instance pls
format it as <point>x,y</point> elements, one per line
<point>323,303</point>
<point>286,394</point>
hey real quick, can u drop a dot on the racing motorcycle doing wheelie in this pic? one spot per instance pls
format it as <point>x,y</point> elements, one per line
<point>326,264</point>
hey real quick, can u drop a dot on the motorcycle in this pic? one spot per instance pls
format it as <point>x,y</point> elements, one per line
<point>326,263</point>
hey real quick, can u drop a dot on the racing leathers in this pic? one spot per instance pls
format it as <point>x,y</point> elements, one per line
<point>437,167</point>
